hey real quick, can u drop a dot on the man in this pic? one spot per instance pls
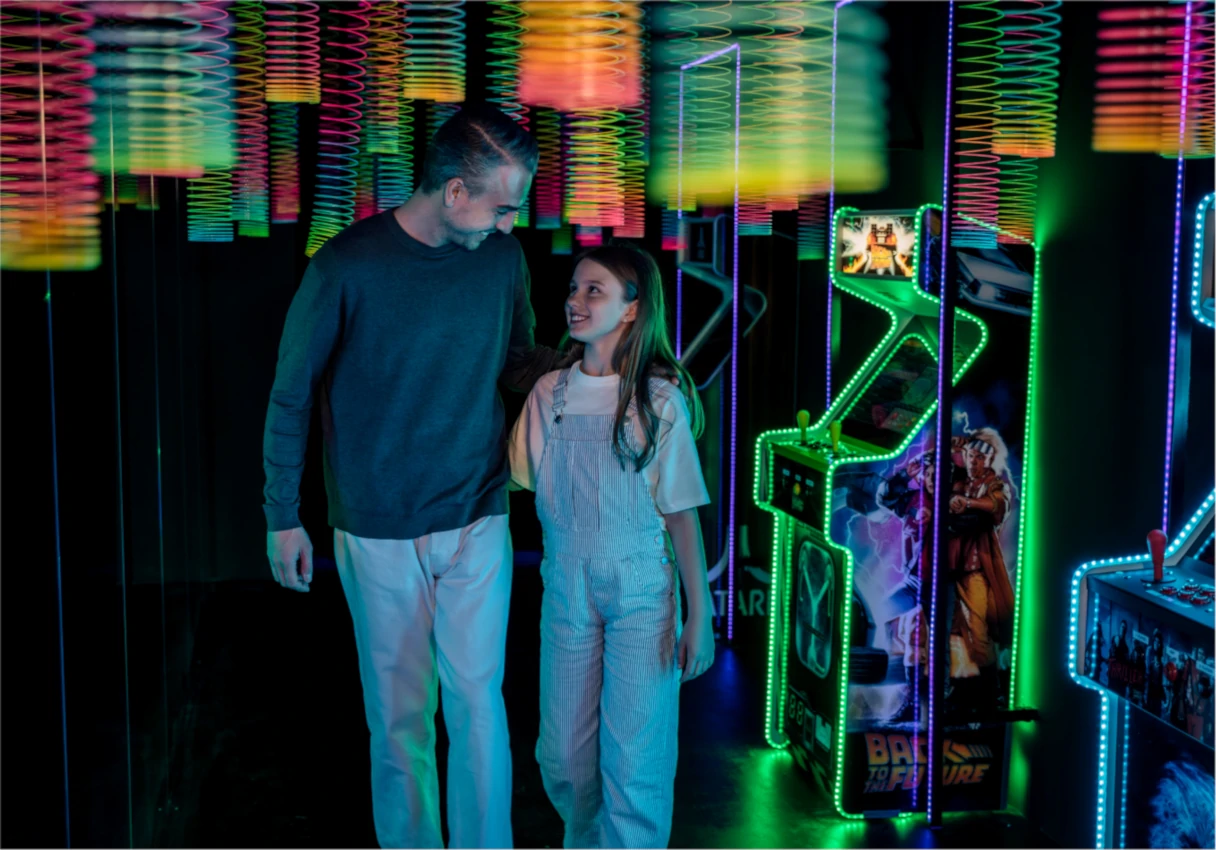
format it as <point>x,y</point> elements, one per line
<point>400,331</point>
<point>983,610</point>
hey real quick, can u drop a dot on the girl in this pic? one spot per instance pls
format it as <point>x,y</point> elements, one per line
<point>610,452</point>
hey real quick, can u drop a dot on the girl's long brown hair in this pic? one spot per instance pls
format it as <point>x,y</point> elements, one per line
<point>644,347</point>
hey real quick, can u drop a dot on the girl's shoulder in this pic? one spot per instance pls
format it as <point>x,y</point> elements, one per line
<point>542,390</point>
<point>667,400</point>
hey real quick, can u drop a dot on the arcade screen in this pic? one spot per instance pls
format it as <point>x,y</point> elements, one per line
<point>904,390</point>
<point>1168,796</point>
<point>876,245</point>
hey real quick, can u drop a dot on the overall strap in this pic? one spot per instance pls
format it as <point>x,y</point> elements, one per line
<point>559,394</point>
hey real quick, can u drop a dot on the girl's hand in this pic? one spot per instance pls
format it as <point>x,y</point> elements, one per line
<point>695,652</point>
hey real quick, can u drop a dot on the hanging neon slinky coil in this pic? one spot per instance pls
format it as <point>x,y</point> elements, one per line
<point>209,197</point>
<point>251,197</point>
<point>594,153</point>
<point>1026,109</point>
<point>502,74</point>
<point>584,58</point>
<point>635,132</point>
<point>50,198</point>
<point>284,163</point>
<point>293,52</point>
<point>1201,97</point>
<point>977,167</point>
<point>434,68</point>
<point>683,32</point>
<point>549,181</point>
<point>149,113</point>
<point>1137,106</point>
<point>581,56</point>
<point>340,130</point>
<point>388,115</point>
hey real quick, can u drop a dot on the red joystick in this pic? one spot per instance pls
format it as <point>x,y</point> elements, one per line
<point>1156,550</point>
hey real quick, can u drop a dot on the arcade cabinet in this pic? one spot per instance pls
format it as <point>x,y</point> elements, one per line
<point>1143,626</point>
<point>852,496</point>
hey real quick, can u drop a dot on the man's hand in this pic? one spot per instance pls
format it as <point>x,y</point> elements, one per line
<point>284,548</point>
<point>573,354</point>
<point>695,652</point>
<point>666,373</point>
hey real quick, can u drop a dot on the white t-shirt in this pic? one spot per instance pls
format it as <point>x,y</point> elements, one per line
<point>674,474</point>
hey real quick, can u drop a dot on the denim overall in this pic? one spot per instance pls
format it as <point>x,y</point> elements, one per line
<point>609,684</point>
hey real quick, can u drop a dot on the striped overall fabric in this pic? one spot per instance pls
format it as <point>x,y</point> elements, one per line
<point>609,689</point>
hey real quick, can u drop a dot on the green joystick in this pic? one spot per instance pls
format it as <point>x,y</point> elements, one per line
<point>834,430</point>
<point>804,420</point>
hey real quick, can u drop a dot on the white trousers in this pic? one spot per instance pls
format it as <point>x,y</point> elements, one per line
<point>428,611</point>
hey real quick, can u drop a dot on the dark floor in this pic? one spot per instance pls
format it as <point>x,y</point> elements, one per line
<point>275,746</point>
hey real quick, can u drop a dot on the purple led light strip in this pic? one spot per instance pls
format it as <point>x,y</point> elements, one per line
<point>679,217</point>
<point>944,375</point>
<point>734,361</point>
<point>734,329</point>
<point>1170,387</point>
<point>831,204</point>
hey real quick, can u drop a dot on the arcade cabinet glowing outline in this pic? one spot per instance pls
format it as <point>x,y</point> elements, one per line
<point>1197,262</point>
<point>1108,565</point>
<point>734,310</point>
<point>771,731</point>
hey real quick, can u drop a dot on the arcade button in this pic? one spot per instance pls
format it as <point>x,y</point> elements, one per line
<point>1169,591</point>
<point>1200,600</point>
<point>1184,596</point>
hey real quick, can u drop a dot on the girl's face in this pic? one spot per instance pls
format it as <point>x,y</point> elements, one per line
<point>596,308</point>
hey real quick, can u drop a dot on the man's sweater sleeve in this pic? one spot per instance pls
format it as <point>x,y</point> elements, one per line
<point>310,335</point>
<point>527,361</point>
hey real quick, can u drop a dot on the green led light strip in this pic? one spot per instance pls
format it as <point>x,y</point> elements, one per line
<point>777,638</point>
<point>1027,451</point>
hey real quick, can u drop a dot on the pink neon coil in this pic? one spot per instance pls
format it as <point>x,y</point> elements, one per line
<point>50,204</point>
<point>581,56</point>
<point>1138,93</point>
<point>284,163</point>
<point>340,130</point>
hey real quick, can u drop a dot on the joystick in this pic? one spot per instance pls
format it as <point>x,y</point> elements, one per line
<point>1156,551</point>
<point>834,430</point>
<point>804,419</point>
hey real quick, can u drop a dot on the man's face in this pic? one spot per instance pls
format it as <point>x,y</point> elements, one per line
<point>469,218</point>
<point>976,463</point>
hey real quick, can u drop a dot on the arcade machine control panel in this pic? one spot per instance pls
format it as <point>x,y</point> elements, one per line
<point>1149,627</point>
<point>799,470</point>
